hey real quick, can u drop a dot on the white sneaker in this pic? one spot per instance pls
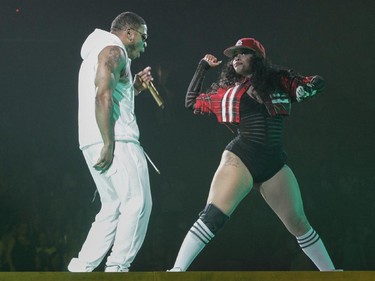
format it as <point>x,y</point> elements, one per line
<point>77,265</point>
<point>115,268</point>
<point>175,269</point>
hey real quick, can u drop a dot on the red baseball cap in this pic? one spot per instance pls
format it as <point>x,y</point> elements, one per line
<point>246,43</point>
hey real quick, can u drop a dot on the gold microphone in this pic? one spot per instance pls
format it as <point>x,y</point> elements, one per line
<point>155,94</point>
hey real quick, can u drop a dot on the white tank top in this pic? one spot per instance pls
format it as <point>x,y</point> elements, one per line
<point>126,128</point>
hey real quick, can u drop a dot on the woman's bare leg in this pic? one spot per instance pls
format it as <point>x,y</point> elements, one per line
<point>231,183</point>
<point>283,195</point>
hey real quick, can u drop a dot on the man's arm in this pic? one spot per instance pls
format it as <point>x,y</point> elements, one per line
<point>110,63</point>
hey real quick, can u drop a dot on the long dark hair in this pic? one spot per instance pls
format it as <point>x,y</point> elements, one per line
<point>265,79</point>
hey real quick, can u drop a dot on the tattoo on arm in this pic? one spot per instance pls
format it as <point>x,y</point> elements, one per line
<point>110,62</point>
<point>113,59</point>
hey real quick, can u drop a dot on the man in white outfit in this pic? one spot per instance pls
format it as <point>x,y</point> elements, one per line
<point>109,139</point>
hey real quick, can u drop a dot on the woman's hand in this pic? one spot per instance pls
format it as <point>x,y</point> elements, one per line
<point>211,60</point>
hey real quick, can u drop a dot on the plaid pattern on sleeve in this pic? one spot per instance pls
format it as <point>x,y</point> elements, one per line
<point>225,103</point>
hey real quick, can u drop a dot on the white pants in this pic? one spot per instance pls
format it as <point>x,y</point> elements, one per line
<point>125,195</point>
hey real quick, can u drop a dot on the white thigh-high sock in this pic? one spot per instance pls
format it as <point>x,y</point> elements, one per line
<point>314,248</point>
<point>195,240</point>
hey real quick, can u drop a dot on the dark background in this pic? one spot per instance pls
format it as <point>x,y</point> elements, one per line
<point>45,186</point>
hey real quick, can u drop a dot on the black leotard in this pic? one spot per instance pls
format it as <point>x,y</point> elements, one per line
<point>259,140</point>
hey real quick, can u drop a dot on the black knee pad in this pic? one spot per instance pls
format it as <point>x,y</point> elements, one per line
<point>213,218</point>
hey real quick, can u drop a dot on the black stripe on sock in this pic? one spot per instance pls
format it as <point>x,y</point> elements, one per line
<point>199,222</point>
<point>310,242</point>
<point>302,240</point>
<point>308,238</point>
<point>192,231</point>
<point>201,232</point>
